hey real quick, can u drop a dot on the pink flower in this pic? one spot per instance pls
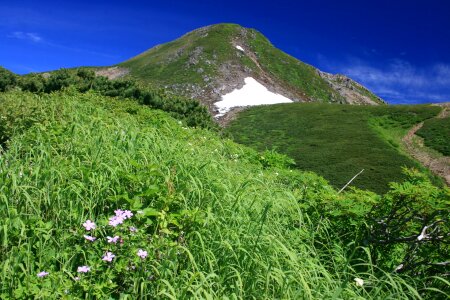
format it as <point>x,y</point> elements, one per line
<point>118,212</point>
<point>116,220</point>
<point>42,274</point>
<point>90,238</point>
<point>142,253</point>
<point>89,225</point>
<point>83,269</point>
<point>121,215</point>
<point>127,214</point>
<point>113,239</point>
<point>108,257</point>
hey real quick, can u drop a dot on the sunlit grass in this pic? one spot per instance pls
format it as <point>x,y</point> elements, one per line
<point>216,224</point>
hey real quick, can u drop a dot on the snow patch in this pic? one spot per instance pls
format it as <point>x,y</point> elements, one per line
<point>251,94</point>
<point>240,48</point>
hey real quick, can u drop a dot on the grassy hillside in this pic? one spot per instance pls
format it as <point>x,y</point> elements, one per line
<point>179,61</point>
<point>335,141</point>
<point>211,219</point>
<point>436,134</point>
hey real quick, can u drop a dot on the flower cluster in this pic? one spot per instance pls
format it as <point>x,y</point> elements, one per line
<point>119,217</point>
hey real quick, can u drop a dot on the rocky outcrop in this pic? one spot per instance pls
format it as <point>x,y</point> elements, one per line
<point>350,90</point>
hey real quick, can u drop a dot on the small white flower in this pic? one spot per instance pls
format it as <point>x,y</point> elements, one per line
<point>399,267</point>
<point>359,282</point>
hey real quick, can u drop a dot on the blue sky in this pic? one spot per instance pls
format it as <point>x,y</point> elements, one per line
<point>399,49</point>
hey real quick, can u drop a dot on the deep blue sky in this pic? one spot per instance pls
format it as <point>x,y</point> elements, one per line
<point>399,48</point>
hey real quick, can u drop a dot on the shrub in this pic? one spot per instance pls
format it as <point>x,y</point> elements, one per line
<point>7,79</point>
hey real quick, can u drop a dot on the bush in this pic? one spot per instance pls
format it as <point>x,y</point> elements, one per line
<point>7,79</point>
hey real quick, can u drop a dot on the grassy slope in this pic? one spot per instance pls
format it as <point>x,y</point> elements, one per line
<point>295,73</point>
<point>436,134</point>
<point>73,154</point>
<point>169,63</point>
<point>333,140</point>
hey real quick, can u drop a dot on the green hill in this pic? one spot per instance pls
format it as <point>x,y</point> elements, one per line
<point>336,141</point>
<point>211,219</point>
<point>214,60</point>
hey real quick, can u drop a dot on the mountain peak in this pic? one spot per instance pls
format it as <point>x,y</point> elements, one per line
<point>212,61</point>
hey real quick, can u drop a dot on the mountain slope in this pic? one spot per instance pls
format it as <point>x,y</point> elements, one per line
<point>212,61</point>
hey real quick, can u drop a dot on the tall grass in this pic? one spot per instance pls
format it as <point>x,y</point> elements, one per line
<point>217,225</point>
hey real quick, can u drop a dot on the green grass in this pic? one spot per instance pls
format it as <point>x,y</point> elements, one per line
<point>335,141</point>
<point>216,224</point>
<point>295,73</point>
<point>169,62</point>
<point>436,134</point>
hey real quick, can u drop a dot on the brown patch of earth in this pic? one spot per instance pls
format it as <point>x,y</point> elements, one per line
<point>112,72</point>
<point>436,162</point>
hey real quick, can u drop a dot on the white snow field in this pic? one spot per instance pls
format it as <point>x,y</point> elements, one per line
<point>252,93</point>
<point>240,48</point>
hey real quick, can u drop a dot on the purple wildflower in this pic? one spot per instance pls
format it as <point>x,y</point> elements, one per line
<point>113,239</point>
<point>89,225</point>
<point>83,269</point>
<point>42,274</point>
<point>116,220</point>
<point>108,257</point>
<point>90,238</point>
<point>142,253</point>
<point>133,229</point>
<point>127,214</point>
<point>118,212</point>
<point>121,215</point>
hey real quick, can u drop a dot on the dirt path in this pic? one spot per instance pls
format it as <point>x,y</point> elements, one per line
<point>438,164</point>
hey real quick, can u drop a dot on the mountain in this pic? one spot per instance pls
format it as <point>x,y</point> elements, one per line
<point>215,60</point>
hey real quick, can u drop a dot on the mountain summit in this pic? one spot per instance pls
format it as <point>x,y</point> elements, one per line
<point>219,60</point>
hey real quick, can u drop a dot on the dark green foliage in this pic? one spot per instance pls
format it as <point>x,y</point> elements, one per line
<point>84,79</point>
<point>7,79</point>
<point>335,141</point>
<point>436,134</point>
<point>34,83</point>
<point>409,230</point>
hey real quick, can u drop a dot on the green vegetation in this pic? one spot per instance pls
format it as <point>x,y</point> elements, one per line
<point>83,79</point>
<point>216,219</point>
<point>7,79</point>
<point>179,61</point>
<point>292,71</point>
<point>335,141</point>
<point>436,134</point>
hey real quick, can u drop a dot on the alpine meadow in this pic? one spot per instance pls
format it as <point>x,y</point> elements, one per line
<point>129,182</point>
